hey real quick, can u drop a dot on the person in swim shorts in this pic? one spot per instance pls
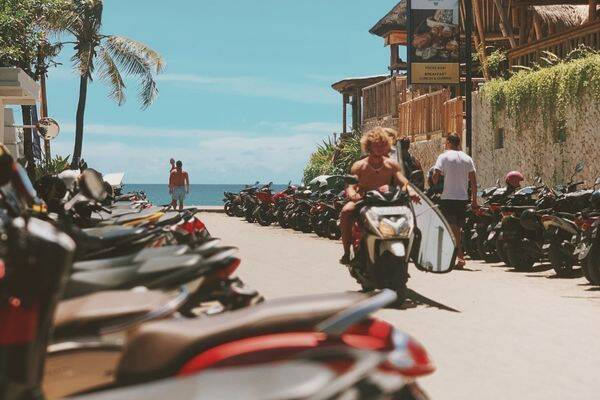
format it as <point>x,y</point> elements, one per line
<point>179,185</point>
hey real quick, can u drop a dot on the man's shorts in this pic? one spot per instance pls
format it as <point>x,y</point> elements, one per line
<point>178,193</point>
<point>455,211</point>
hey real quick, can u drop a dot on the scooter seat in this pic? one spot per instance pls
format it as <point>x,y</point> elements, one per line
<point>144,255</point>
<point>88,314</point>
<point>126,277</point>
<point>157,349</point>
<point>112,233</point>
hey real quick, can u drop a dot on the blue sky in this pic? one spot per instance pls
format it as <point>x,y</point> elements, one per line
<point>246,94</point>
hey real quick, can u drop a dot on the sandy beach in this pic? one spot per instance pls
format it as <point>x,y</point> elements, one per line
<point>493,333</point>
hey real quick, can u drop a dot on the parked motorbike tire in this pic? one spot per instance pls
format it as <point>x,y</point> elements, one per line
<point>263,217</point>
<point>501,252</point>
<point>562,265</point>
<point>238,211</point>
<point>229,209</point>
<point>249,215</point>
<point>411,391</point>
<point>592,264</point>
<point>519,259</point>
<point>333,230</point>
<point>282,220</point>
<point>470,247</point>
<point>486,255</point>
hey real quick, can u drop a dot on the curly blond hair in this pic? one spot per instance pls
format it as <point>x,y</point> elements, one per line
<point>375,135</point>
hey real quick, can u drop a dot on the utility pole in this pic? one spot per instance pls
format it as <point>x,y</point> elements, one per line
<point>469,82</point>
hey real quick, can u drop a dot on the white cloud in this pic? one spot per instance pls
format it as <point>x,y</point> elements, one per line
<point>144,131</point>
<point>233,158</point>
<point>252,86</point>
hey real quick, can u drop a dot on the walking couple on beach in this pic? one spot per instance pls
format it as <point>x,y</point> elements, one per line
<point>179,184</point>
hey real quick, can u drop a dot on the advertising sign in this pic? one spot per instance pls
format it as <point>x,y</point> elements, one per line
<point>433,42</point>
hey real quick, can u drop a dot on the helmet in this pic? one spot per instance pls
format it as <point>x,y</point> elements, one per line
<point>595,200</point>
<point>530,220</point>
<point>514,178</point>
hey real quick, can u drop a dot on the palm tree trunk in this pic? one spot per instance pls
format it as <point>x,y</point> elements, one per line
<point>44,114</point>
<point>83,84</point>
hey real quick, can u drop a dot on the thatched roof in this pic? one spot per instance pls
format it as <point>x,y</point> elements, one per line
<point>350,85</point>
<point>562,16</point>
<point>395,20</point>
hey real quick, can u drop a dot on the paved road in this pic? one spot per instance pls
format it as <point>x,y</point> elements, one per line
<point>493,333</point>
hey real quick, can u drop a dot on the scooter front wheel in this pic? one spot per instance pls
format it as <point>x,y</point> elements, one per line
<point>229,209</point>
<point>563,266</point>
<point>592,264</point>
<point>519,258</point>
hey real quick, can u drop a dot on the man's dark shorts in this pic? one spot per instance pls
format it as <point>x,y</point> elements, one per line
<point>455,211</point>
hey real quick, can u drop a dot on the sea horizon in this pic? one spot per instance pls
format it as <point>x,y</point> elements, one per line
<point>207,194</point>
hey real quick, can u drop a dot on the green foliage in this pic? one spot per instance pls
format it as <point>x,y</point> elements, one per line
<point>497,63</point>
<point>321,161</point>
<point>23,28</point>
<point>55,166</point>
<point>546,90</point>
<point>330,159</point>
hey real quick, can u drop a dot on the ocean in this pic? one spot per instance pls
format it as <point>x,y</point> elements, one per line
<point>200,195</point>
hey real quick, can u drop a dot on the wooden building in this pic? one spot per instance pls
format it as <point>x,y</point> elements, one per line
<point>523,28</point>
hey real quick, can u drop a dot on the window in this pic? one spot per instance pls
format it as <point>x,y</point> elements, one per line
<point>499,139</point>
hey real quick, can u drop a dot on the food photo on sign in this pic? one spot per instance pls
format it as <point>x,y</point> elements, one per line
<point>434,39</point>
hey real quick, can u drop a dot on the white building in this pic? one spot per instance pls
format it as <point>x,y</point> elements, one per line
<point>16,89</point>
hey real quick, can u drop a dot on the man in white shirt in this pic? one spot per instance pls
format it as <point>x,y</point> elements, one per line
<point>458,170</point>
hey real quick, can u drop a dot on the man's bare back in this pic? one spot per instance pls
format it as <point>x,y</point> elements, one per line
<point>371,177</point>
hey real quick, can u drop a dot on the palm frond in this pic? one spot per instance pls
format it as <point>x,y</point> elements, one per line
<point>109,73</point>
<point>135,56</point>
<point>137,59</point>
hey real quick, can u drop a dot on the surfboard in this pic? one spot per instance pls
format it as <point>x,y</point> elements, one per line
<point>437,248</point>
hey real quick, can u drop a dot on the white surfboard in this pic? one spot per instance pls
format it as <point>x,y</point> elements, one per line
<point>437,251</point>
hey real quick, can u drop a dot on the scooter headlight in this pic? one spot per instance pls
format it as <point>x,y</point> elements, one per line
<point>399,228</point>
<point>391,222</point>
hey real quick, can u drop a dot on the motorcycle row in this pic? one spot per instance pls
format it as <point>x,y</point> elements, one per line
<point>538,223</point>
<point>312,208</point>
<point>105,296</point>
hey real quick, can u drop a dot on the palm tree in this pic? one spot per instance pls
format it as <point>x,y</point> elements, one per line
<point>113,55</point>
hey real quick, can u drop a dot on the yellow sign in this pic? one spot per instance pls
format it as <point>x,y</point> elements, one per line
<point>443,73</point>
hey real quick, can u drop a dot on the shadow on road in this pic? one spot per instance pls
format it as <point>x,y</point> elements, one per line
<point>415,300</point>
<point>537,268</point>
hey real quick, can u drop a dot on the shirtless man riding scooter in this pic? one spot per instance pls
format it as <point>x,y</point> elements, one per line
<point>375,172</point>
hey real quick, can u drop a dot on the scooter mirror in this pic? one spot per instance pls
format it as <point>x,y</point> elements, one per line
<point>597,181</point>
<point>579,167</point>
<point>92,185</point>
<point>498,182</point>
<point>48,128</point>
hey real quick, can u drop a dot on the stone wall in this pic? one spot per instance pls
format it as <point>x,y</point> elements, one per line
<point>535,149</point>
<point>427,151</point>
